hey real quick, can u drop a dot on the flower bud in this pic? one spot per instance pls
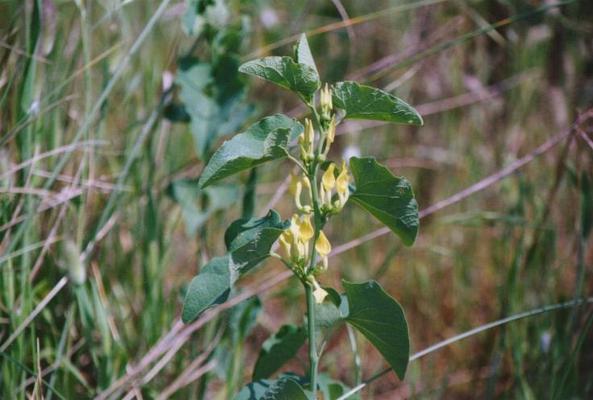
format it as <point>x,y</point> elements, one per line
<point>309,131</point>
<point>306,140</point>
<point>325,102</point>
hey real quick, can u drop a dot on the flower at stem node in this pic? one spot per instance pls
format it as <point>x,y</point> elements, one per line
<point>323,247</point>
<point>329,183</point>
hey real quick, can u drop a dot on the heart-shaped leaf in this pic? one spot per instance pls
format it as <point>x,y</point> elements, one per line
<point>212,286</point>
<point>277,350</point>
<point>387,197</point>
<point>381,320</point>
<point>263,141</point>
<point>301,79</point>
<point>366,102</point>
<point>249,243</point>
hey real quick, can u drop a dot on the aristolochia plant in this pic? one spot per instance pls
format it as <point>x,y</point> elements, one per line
<point>321,189</point>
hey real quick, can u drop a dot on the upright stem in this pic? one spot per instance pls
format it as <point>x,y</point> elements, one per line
<point>313,356</point>
<point>317,226</point>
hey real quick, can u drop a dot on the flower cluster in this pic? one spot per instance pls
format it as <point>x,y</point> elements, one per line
<point>329,183</point>
<point>304,244</point>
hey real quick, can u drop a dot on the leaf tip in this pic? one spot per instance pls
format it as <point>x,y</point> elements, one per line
<point>203,183</point>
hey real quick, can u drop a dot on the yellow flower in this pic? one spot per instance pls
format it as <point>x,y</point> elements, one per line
<point>322,245</point>
<point>329,180</point>
<point>286,240</point>
<point>294,182</point>
<point>295,188</point>
<point>306,231</point>
<point>342,185</point>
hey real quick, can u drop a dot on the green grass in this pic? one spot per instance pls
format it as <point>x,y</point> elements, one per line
<point>84,80</point>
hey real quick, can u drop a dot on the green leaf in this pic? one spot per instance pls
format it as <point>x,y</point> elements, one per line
<point>366,102</point>
<point>388,198</point>
<point>249,242</point>
<point>212,286</point>
<point>255,390</point>
<point>277,350</point>
<point>381,320</point>
<point>301,79</point>
<point>285,388</point>
<point>303,54</point>
<point>263,141</point>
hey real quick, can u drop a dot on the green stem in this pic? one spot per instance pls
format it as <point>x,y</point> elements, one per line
<point>317,225</point>
<point>313,356</point>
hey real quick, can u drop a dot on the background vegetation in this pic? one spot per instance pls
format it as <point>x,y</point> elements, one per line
<point>109,108</point>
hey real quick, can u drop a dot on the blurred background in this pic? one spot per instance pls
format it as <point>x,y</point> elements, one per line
<point>109,109</point>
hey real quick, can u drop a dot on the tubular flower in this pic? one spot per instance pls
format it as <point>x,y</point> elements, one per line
<point>296,188</point>
<point>342,186</point>
<point>286,239</point>
<point>325,102</point>
<point>323,247</point>
<point>306,140</point>
<point>305,229</point>
<point>328,182</point>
